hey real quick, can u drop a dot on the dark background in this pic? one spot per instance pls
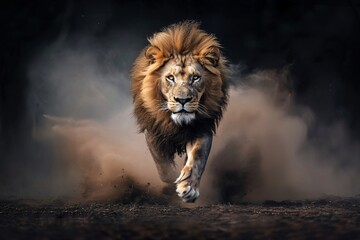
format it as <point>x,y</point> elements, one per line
<point>320,39</point>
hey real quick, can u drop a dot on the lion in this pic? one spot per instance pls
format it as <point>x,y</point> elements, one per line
<point>180,90</point>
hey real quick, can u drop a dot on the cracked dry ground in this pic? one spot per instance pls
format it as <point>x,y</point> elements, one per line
<point>337,218</point>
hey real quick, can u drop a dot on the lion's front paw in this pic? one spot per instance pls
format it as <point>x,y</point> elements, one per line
<point>187,192</point>
<point>187,184</point>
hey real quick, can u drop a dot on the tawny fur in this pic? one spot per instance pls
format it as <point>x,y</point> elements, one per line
<point>182,39</point>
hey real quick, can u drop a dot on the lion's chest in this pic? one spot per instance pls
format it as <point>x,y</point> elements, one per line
<point>175,141</point>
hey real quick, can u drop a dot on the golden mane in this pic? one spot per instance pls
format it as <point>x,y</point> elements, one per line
<point>180,39</point>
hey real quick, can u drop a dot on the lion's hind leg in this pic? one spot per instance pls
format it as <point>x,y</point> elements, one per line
<point>188,182</point>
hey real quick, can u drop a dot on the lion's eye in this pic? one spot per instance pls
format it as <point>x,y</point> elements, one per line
<point>170,78</point>
<point>195,78</point>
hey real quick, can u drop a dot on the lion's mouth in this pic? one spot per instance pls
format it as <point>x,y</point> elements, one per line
<point>183,117</point>
<point>181,111</point>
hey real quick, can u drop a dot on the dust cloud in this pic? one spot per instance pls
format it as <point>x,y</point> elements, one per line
<point>262,149</point>
<point>85,116</point>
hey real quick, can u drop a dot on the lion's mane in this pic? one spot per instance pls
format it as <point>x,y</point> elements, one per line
<point>179,39</point>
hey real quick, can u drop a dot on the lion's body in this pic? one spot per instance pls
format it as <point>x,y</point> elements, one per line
<point>182,64</point>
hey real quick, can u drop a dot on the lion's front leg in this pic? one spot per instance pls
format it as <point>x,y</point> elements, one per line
<point>164,163</point>
<point>189,179</point>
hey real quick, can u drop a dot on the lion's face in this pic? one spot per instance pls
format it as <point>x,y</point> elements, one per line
<point>182,85</point>
<point>179,82</point>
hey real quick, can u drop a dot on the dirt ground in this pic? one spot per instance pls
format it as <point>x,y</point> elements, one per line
<point>335,218</point>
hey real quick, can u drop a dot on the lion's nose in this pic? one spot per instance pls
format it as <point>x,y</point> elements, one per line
<point>183,100</point>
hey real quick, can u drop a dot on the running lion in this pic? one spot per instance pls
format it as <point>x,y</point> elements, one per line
<point>180,91</point>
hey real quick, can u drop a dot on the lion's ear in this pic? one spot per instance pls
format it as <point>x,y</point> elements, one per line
<point>210,56</point>
<point>153,54</point>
